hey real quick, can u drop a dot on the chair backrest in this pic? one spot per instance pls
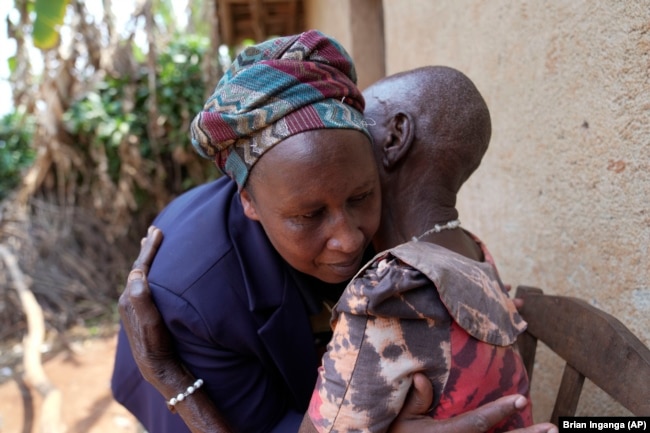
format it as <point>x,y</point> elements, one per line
<point>593,343</point>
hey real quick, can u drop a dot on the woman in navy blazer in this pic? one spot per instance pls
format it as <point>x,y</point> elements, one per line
<point>249,259</point>
<point>237,316</point>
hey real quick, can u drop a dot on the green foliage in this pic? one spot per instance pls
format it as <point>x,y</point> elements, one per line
<point>181,90</point>
<point>49,16</point>
<point>16,153</point>
<point>118,111</point>
<point>11,63</point>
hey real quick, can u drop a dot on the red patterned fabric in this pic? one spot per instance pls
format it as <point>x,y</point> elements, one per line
<point>419,307</point>
<point>481,373</point>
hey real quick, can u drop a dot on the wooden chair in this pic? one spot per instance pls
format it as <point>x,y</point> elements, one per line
<point>594,344</point>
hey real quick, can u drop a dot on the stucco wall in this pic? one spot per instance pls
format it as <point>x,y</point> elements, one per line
<point>358,26</point>
<point>331,17</point>
<point>563,196</point>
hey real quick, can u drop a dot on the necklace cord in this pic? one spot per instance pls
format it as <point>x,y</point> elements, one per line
<point>449,225</point>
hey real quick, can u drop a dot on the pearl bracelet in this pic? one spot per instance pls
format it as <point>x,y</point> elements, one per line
<point>183,395</point>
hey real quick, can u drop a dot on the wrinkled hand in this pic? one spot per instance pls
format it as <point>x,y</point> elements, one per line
<point>149,338</point>
<point>519,302</point>
<point>153,346</point>
<point>413,416</point>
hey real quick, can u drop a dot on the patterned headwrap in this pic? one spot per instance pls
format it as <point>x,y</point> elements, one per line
<point>274,90</point>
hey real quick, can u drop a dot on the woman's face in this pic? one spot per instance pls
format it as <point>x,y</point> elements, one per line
<point>317,196</point>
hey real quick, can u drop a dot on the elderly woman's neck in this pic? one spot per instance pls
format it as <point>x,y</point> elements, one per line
<point>411,214</point>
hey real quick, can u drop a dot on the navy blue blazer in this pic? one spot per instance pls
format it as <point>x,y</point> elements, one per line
<point>235,309</point>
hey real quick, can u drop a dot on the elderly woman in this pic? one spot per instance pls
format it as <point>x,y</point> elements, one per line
<point>249,261</point>
<point>432,300</point>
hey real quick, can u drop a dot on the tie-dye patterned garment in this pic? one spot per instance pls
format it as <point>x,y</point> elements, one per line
<point>419,307</point>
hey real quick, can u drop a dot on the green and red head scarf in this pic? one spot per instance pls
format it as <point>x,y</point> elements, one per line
<point>274,90</point>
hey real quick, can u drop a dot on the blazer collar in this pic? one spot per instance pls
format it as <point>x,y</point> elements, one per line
<point>265,273</point>
<point>273,291</point>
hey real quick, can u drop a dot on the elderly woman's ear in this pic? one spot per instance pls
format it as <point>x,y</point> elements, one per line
<point>400,137</point>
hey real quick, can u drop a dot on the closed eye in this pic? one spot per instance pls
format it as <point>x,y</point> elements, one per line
<point>361,197</point>
<point>312,215</point>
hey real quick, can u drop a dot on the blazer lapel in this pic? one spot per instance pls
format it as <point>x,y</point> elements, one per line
<point>272,291</point>
<point>288,339</point>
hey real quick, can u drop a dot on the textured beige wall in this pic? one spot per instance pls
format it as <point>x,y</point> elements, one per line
<point>331,17</point>
<point>358,26</point>
<point>563,196</point>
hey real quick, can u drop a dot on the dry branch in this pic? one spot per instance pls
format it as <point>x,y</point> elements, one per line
<point>35,375</point>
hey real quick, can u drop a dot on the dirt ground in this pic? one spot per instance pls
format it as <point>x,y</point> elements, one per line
<point>83,377</point>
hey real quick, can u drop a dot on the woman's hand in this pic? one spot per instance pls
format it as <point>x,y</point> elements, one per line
<point>153,347</point>
<point>413,418</point>
<point>149,338</point>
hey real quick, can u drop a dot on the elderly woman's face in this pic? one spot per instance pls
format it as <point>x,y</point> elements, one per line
<point>317,196</point>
